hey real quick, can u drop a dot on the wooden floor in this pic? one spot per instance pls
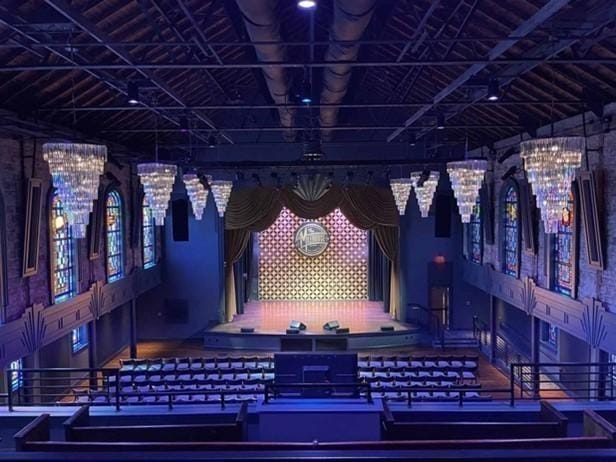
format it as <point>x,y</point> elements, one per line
<point>274,317</point>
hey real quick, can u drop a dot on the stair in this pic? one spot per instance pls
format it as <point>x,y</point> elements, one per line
<point>456,339</point>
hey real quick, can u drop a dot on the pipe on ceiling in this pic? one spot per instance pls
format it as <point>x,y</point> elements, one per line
<point>263,25</point>
<point>351,17</point>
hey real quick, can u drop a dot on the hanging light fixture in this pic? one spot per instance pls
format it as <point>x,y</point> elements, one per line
<point>157,180</point>
<point>550,164</point>
<point>425,191</point>
<point>196,193</point>
<point>401,189</point>
<point>221,190</point>
<point>75,171</point>
<point>466,177</point>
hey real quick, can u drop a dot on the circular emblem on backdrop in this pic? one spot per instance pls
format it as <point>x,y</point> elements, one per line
<point>311,239</point>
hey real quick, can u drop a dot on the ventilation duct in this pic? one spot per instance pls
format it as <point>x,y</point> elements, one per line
<point>351,17</point>
<point>263,25</point>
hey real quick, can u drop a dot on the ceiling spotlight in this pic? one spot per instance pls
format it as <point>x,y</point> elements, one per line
<point>306,92</point>
<point>183,124</point>
<point>440,121</point>
<point>211,141</point>
<point>133,93</point>
<point>493,90</point>
<point>312,150</point>
<point>307,4</point>
<point>412,139</point>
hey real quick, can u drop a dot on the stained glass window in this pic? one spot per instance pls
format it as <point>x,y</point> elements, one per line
<point>511,234</point>
<point>563,252</point>
<point>79,338</point>
<point>62,253</point>
<point>148,236</point>
<point>115,246</point>
<point>475,234</point>
<point>16,375</point>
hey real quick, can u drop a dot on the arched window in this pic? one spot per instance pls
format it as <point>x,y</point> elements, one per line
<point>475,240</point>
<point>115,244</point>
<point>511,231</point>
<point>148,236</point>
<point>563,252</point>
<point>63,253</point>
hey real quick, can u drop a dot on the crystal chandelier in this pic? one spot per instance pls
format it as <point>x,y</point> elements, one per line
<point>401,189</point>
<point>75,171</point>
<point>221,190</point>
<point>550,164</point>
<point>196,193</point>
<point>425,192</point>
<point>466,177</point>
<point>157,180</point>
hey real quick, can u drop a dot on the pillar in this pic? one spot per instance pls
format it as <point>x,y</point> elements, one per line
<point>133,328</point>
<point>493,329</point>
<point>534,352</point>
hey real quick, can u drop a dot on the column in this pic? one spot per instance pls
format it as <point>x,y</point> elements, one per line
<point>493,329</point>
<point>534,350</point>
<point>133,328</point>
<point>92,352</point>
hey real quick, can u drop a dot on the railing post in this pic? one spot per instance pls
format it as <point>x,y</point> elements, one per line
<point>410,393</point>
<point>117,389</point>
<point>511,385</point>
<point>9,391</point>
<point>222,399</point>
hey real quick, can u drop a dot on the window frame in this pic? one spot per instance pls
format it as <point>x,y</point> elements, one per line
<point>147,226</point>
<point>119,233</point>
<point>79,338</point>
<point>504,251</point>
<point>73,268</point>
<point>553,240</point>
<point>475,223</point>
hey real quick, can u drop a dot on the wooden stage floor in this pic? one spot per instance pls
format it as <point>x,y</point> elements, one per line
<point>274,317</point>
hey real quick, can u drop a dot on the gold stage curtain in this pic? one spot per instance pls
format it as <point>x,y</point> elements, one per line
<point>256,209</point>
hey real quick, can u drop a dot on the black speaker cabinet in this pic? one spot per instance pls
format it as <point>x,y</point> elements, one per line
<point>442,222</point>
<point>179,213</point>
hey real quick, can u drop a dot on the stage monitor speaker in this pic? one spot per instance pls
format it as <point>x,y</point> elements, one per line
<point>292,331</point>
<point>387,328</point>
<point>343,330</point>
<point>247,330</point>
<point>442,222</point>
<point>179,213</point>
<point>331,325</point>
<point>297,325</point>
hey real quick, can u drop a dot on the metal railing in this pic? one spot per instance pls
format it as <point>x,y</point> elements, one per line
<point>526,381</point>
<point>430,320</point>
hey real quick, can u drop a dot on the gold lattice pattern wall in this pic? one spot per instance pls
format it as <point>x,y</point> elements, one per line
<point>339,273</point>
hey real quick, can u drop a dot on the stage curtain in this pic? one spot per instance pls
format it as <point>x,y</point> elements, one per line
<point>256,209</point>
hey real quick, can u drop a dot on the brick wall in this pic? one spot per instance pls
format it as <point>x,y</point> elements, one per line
<point>17,164</point>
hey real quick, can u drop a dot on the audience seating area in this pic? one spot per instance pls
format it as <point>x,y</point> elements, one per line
<point>547,429</point>
<point>243,379</point>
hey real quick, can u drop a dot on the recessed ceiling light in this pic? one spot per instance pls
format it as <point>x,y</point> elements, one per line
<point>493,90</point>
<point>307,4</point>
<point>133,93</point>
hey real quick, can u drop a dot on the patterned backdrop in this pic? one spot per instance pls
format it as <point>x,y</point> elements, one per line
<point>339,273</point>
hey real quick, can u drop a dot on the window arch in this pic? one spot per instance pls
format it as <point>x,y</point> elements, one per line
<point>148,235</point>
<point>475,241</point>
<point>511,230</point>
<point>114,222</point>
<point>63,253</point>
<point>563,251</point>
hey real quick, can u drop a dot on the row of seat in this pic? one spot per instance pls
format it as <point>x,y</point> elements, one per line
<point>435,373</point>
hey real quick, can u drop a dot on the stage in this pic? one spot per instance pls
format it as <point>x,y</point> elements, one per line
<point>270,320</point>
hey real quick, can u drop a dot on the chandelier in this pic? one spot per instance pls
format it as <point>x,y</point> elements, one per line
<point>550,164</point>
<point>221,190</point>
<point>75,171</point>
<point>425,192</point>
<point>401,189</point>
<point>466,177</point>
<point>196,193</point>
<point>157,180</point>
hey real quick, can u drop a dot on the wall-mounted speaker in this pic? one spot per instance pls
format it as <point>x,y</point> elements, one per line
<point>331,325</point>
<point>297,325</point>
<point>442,222</point>
<point>179,213</point>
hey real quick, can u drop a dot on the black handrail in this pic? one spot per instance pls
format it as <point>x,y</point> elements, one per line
<point>434,322</point>
<point>357,385</point>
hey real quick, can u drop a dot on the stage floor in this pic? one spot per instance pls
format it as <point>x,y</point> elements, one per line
<point>274,317</point>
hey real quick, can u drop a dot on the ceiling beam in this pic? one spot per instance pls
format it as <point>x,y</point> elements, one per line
<point>92,29</point>
<point>528,26</point>
<point>301,65</point>
<point>594,20</point>
<point>242,107</point>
